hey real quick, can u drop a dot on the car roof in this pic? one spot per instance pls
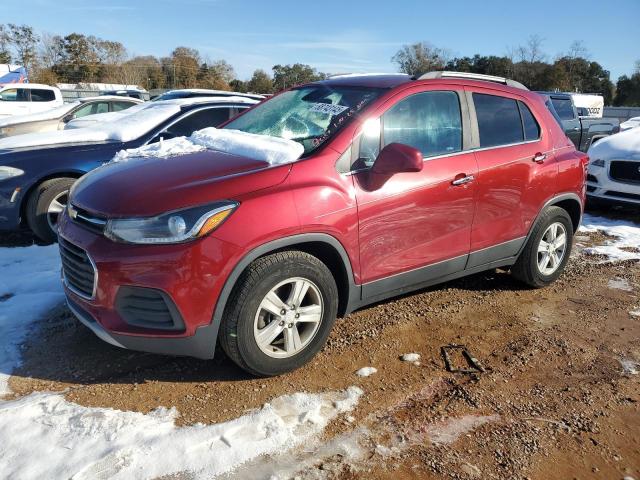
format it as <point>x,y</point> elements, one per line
<point>371,80</point>
<point>102,98</point>
<point>195,92</point>
<point>186,102</point>
<point>28,86</point>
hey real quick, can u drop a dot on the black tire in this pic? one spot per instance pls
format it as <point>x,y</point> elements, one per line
<point>526,268</point>
<point>237,329</point>
<point>37,208</point>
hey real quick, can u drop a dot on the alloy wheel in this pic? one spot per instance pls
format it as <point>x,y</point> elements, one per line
<point>288,317</point>
<point>552,248</point>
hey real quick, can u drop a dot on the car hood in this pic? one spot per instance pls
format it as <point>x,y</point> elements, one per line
<point>621,146</point>
<point>141,187</point>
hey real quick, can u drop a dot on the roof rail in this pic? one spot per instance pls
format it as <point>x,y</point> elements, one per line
<point>473,76</point>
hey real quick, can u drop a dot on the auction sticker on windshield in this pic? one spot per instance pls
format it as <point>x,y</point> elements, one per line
<point>328,108</point>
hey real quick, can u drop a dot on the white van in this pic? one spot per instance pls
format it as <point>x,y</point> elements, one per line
<point>25,98</point>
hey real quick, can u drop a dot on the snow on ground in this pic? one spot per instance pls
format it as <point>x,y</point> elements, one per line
<point>366,371</point>
<point>625,243</point>
<point>620,284</point>
<point>44,436</point>
<point>635,313</point>
<point>410,357</point>
<point>29,286</point>
<point>273,150</point>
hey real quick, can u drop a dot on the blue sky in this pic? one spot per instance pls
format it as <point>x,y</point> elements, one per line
<point>342,36</point>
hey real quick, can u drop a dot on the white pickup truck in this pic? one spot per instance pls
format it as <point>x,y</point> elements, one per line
<point>26,98</point>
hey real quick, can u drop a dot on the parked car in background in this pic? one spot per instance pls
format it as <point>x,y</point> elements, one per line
<point>37,169</point>
<point>132,92</point>
<point>107,117</point>
<point>323,199</point>
<point>614,169</point>
<point>25,98</point>
<point>201,92</point>
<point>57,118</point>
<point>583,132</point>
<point>633,122</point>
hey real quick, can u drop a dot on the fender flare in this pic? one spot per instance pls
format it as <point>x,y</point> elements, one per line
<point>549,203</point>
<point>353,295</point>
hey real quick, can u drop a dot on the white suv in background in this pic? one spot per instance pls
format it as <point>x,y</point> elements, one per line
<point>26,98</point>
<point>614,168</point>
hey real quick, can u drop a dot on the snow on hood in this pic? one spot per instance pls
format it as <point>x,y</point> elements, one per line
<point>273,150</point>
<point>50,114</point>
<point>623,145</point>
<point>124,129</point>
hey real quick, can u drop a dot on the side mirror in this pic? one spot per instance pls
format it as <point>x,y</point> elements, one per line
<point>67,118</point>
<point>398,158</point>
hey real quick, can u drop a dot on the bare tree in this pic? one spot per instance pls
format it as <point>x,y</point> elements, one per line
<point>5,54</point>
<point>24,41</point>
<point>532,51</point>
<point>420,58</point>
<point>51,50</point>
<point>578,49</point>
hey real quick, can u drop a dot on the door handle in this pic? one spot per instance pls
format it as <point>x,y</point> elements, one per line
<point>463,180</point>
<point>539,157</point>
<point>575,129</point>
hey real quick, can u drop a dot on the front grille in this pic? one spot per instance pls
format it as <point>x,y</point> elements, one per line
<point>631,196</point>
<point>148,308</point>
<point>77,269</point>
<point>628,172</point>
<point>87,220</point>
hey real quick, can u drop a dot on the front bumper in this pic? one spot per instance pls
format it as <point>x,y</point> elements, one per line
<point>601,186</point>
<point>191,275</point>
<point>10,198</point>
<point>199,345</point>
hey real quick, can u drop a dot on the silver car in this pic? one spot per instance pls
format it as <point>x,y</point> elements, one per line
<point>57,118</point>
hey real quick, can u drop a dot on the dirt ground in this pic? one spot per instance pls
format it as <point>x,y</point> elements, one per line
<point>559,397</point>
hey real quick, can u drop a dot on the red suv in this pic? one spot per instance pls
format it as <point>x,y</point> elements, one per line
<point>403,183</point>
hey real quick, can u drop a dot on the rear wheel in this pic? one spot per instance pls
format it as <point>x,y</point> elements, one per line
<point>547,251</point>
<point>280,313</point>
<point>45,205</point>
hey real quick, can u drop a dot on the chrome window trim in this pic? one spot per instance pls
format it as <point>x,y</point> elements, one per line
<point>95,275</point>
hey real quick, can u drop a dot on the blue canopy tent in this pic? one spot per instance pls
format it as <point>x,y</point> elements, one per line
<point>12,74</point>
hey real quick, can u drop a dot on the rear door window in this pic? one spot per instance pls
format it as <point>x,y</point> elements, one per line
<point>498,120</point>
<point>531,127</point>
<point>39,95</point>
<point>563,107</point>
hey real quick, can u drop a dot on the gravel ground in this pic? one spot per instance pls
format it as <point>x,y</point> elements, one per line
<point>557,399</point>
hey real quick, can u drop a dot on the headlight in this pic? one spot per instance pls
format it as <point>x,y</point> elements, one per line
<point>9,172</point>
<point>173,227</point>
<point>597,163</point>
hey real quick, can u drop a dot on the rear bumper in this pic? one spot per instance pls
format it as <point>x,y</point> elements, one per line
<point>199,345</point>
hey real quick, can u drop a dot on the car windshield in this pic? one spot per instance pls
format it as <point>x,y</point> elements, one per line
<point>308,115</point>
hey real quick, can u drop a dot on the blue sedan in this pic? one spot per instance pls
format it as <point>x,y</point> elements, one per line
<point>37,170</point>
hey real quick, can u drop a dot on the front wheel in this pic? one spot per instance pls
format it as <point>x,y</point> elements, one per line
<point>547,251</point>
<point>45,205</point>
<point>280,313</point>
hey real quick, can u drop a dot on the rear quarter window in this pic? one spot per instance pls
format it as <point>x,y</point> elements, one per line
<point>529,123</point>
<point>38,95</point>
<point>498,120</point>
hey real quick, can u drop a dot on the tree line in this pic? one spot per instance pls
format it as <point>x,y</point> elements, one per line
<point>79,58</point>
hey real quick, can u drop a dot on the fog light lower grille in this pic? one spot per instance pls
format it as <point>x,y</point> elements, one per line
<point>148,308</point>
